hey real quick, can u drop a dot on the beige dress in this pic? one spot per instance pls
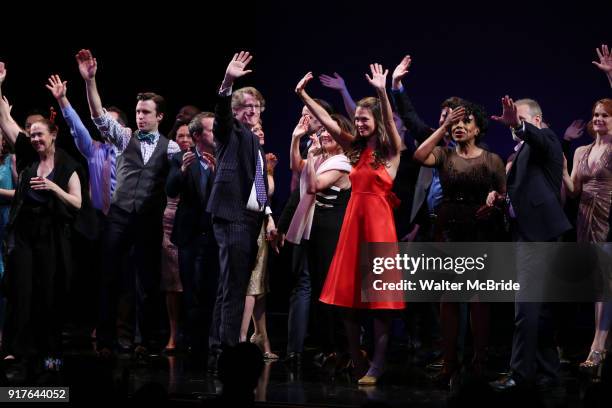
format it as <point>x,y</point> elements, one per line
<point>258,285</point>
<point>596,197</point>
<point>170,278</point>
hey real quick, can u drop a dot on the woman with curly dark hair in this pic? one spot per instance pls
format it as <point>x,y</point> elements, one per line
<point>374,152</point>
<point>472,178</point>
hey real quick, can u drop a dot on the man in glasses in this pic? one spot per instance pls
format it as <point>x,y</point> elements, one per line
<point>238,201</point>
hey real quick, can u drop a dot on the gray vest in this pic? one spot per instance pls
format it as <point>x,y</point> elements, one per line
<point>140,187</point>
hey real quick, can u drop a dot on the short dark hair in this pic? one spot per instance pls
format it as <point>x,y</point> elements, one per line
<point>160,102</point>
<point>195,126</point>
<point>122,119</point>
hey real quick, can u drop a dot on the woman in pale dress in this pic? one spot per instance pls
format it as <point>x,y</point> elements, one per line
<point>591,180</point>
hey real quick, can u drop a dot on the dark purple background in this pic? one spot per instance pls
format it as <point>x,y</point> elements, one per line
<point>477,52</point>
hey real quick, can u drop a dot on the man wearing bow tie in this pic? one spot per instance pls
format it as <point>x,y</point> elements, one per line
<point>137,205</point>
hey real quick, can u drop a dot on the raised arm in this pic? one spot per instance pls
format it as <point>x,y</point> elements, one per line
<point>271,162</point>
<point>573,184</point>
<point>223,113</point>
<point>379,82</point>
<point>344,139</point>
<point>337,83</point>
<point>79,132</point>
<point>405,109</point>
<point>111,129</point>
<point>424,153</point>
<point>88,67</point>
<point>605,61</point>
<point>297,163</point>
<point>542,139</point>
<point>8,125</point>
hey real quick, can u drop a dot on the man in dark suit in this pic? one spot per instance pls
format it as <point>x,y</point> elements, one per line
<point>427,189</point>
<point>536,213</point>
<point>239,201</point>
<point>191,177</point>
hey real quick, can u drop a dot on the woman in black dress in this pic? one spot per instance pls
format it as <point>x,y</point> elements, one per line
<point>48,198</point>
<point>470,177</point>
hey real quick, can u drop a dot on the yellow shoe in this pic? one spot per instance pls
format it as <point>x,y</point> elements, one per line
<point>367,380</point>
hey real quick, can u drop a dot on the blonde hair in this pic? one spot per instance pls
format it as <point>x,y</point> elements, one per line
<point>238,97</point>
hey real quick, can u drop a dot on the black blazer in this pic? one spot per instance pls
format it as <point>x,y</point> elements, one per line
<point>420,131</point>
<point>236,153</point>
<point>191,218</point>
<point>534,185</point>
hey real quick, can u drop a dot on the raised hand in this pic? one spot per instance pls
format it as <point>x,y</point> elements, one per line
<point>575,130</point>
<point>236,67</point>
<point>605,59</point>
<point>379,77</point>
<point>57,87</point>
<point>509,115</point>
<point>454,115</point>
<point>314,146</point>
<point>400,71</point>
<point>271,162</point>
<point>5,107</point>
<point>336,82</point>
<point>2,73</point>
<point>302,127</point>
<point>302,84</point>
<point>87,64</point>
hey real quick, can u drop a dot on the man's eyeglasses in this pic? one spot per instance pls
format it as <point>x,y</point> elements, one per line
<point>253,107</point>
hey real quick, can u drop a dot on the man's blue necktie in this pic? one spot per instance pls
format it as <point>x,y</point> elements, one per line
<point>260,187</point>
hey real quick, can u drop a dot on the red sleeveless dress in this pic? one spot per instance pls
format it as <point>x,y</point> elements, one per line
<point>368,218</point>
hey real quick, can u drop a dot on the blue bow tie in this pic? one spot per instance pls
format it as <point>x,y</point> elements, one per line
<point>146,137</point>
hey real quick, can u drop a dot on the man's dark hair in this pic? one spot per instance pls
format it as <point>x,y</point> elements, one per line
<point>453,102</point>
<point>160,102</point>
<point>122,119</point>
<point>195,126</point>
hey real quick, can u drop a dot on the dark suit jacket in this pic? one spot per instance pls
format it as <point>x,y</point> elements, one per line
<point>191,217</point>
<point>534,185</point>
<point>237,150</point>
<point>420,131</point>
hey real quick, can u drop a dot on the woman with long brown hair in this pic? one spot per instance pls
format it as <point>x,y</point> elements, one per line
<point>374,152</point>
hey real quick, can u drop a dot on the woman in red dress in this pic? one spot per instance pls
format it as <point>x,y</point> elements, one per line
<point>374,152</point>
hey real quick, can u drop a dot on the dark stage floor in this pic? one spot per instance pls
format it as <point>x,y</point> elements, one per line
<point>406,382</point>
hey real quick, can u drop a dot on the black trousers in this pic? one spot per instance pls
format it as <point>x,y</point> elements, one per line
<point>142,234</point>
<point>534,353</point>
<point>237,251</point>
<point>199,270</point>
<point>35,286</point>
